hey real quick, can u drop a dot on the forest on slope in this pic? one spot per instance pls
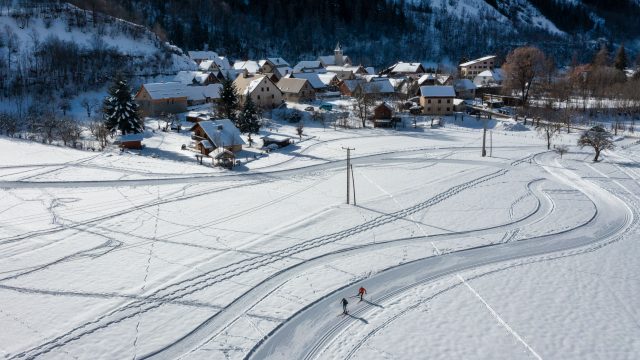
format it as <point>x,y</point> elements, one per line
<point>380,32</point>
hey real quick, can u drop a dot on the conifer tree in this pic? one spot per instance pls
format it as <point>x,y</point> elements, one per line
<point>621,61</point>
<point>228,99</point>
<point>120,110</point>
<point>248,123</point>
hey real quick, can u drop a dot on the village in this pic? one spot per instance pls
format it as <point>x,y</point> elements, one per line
<point>331,91</point>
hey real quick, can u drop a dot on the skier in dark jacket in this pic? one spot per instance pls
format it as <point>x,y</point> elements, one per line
<point>344,306</point>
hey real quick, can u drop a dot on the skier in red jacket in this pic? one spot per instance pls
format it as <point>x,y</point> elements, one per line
<point>361,292</point>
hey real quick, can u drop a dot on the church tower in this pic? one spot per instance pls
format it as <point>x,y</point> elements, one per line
<point>338,55</point>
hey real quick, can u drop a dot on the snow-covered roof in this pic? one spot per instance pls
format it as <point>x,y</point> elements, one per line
<point>222,63</point>
<point>396,82</point>
<point>246,85</point>
<point>370,70</point>
<point>291,85</point>
<point>328,60</point>
<point>206,144</point>
<point>437,91</point>
<point>283,70</point>
<point>352,84</point>
<point>211,91</point>
<point>426,77</point>
<point>165,90</point>
<point>485,58</point>
<point>232,74</point>
<point>278,61</point>
<point>382,86</point>
<point>313,78</point>
<point>443,79</point>
<point>221,132</point>
<point>463,85</point>
<point>403,67</point>
<point>203,55</point>
<point>131,137</point>
<point>189,77</point>
<point>345,68</point>
<point>250,65</point>
<point>307,64</point>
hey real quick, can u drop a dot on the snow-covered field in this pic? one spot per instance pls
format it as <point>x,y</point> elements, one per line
<point>517,255</point>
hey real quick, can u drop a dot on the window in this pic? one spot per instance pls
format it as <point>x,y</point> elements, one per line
<point>439,101</point>
<point>429,101</point>
<point>258,97</point>
<point>448,101</point>
<point>262,89</point>
<point>448,109</point>
<point>272,96</point>
<point>267,88</point>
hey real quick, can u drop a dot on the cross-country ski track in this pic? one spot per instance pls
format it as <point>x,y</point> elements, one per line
<point>307,332</point>
<point>304,335</point>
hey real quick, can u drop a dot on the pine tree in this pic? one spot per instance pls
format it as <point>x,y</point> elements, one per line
<point>248,123</point>
<point>228,99</point>
<point>602,57</point>
<point>621,61</point>
<point>120,110</point>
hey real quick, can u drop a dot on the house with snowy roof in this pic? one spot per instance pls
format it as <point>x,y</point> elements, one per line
<point>217,134</point>
<point>200,56</point>
<point>198,78</point>
<point>198,95</point>
<point>465,89</point>
<point>309,66</point>
<point>471,69</point>
<point>219,63</point>
<point>275,67</point>
<point>347,72</point>
<point>348,87</point>
<point>437,100</point>
<point>296,90</point>
<point>405,68</point>
<point>154,99</point>
<point>380,88</point>
<point>489,78</point>
<point>337,59</point>
<point>250,66</point>
<point>260,88</point>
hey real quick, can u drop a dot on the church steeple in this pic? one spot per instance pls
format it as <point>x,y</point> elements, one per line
<point>338,55</point>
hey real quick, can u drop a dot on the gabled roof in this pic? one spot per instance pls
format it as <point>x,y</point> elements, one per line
<point>313,78</point>
<point>328,60</point>
<point>278,61</point>
<point>485,58</point>
<point>352,84</point>
<point>384,104</point>
<point>403,67</point>
<point>211,91</point>
<point>307,64</point>
<point>203,55</point>
<point>165,90</point>
<point>250,65</point>
<point>463,84</point>
<point>221,62</point>
<point>353,68</point>
<point>246,85</point>
<point>426,77</point>
<point>191,77</point>
<point>233,73</point>
<point>382,86</point>
<point>437,91</point>
<point>221,132</point>
<point>291,85</point>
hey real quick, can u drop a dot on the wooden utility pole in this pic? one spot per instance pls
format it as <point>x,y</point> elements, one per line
<point>353,183</point>
<point>348,172</point>
<point>484,138</point>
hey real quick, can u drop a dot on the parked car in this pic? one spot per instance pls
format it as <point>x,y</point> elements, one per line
<point>309,108</point>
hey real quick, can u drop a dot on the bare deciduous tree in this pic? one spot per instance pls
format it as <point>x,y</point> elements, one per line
<point>598,138</point>
<point>523,67</point>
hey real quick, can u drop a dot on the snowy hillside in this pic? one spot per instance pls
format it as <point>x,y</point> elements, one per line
<point>70,51</point>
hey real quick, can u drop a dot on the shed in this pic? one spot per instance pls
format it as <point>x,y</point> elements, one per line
<point>131,141</point>
<point>279,140</point>
<point>383,111</point>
